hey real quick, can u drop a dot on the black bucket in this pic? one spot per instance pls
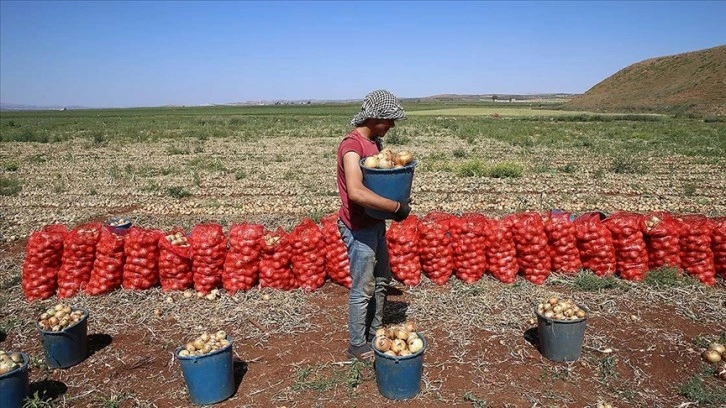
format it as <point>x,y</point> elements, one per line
<point>14,385</point>
<point>561,340</point>
<point>394,184</point>
<point>67,347</point>
<point>399,377</point>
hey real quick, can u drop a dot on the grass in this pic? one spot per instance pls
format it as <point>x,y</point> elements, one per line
<point>177,192</point>
<point>477,168</point>
<point>668,277</point>
<point>701,391</point>
<point>10,186</point>
<point>587,281</point>
<point>476,402</point>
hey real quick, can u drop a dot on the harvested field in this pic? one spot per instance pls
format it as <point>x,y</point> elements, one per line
<point>275,166</point>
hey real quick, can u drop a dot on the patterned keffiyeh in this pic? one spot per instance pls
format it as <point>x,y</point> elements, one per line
<point>379,104</point>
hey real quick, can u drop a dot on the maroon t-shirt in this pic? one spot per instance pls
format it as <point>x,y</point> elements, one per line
<point>352,214</point>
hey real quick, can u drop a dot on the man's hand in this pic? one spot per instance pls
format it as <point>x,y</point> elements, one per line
<point>403,210</point>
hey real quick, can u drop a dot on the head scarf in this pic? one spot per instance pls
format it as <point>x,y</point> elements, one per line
<point>379,104</point>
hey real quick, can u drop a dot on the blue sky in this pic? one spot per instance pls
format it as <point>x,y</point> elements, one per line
<point>124,54</point>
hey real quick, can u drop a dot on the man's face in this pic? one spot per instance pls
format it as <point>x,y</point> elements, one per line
<point>381,126</point>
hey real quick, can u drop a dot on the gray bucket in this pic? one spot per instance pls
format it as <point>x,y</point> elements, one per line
<point>561,340</point>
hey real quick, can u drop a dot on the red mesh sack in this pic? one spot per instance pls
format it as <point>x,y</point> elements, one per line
<point>175,261</point>
<point>402,244</point>
<point>662,235</point>
<point>562,242</point>
<point>336,254</point>
<point>43,259</point>
<point>242,264</point>
<point>275,269</point>
<point>501,250</point>
<point>108,267</point>
<point>595,244</point>
<point>141,269</point>
<point>209,250</point>
<point>718,245</point>
<point>631,254</point>
<point>695,242</point>
<point>434,247</point>
<point>79,253</point>
<point>531,245</point>
<point>469,244</point>
<point>308,255</point>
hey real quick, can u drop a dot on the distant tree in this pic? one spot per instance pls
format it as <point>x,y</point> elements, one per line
<point>494,98</point>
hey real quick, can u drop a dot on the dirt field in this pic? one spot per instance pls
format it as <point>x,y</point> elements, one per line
<point>642,345</point>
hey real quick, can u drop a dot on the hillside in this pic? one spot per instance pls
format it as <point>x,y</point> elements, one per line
<point>692,83</point>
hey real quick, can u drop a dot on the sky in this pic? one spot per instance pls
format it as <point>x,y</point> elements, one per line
<point>154,53</point>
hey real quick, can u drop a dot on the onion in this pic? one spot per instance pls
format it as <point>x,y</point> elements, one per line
<point>403,158</point>
<point>17,357</point>
<point>398,345</point>
<point>382,343</point>
<point>718,347</point>
<point>371,162</point>
<point>409,326</point>
<point>381,332</point>
<point>712,356</point>
<point>415,345</point>
<point>385,164</point>
<point>400,333</point>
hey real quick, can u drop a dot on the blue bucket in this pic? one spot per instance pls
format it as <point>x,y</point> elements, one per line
<point>561,340</point>
<point>14,386</point>
<point>399,377</point>
<point>394,184</point>
<point>67,347</point>
<point>209,377</point>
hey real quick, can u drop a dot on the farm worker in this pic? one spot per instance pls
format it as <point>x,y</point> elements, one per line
<point>363,235</point>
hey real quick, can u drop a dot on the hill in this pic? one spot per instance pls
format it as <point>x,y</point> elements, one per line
<point>689,83</point>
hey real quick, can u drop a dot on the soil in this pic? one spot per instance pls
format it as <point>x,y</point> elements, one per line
<point>637,357</point>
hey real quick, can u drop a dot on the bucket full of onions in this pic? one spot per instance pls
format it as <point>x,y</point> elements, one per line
<point>13,378</point>
<point>208,367</point>
<point>561,328</point>
<point>399,352</point>
<point>64,333</point>
<point>388,174</point>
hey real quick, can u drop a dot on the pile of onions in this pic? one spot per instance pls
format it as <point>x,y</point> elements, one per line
<point>204,344</point>
<point>715,354</point>
<point>389,159</point>
<point>10,362</point>
<point>560,309</point>
<point>178,238</point>
<point>398,340</point>
<point>59,317</point>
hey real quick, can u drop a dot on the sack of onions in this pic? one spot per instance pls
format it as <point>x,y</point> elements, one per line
<point>205,343</point>
<point>60,317</point>
<point>556,308</point>
<point>398,340</point>
<point>10,361</point>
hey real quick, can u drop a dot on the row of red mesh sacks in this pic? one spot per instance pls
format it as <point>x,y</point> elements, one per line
<point>97,259</point>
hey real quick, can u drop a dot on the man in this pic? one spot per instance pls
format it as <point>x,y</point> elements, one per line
<point>363,235</point>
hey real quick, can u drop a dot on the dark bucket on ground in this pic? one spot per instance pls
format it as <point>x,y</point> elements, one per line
<point>14,385</point>
<point>394,184</point>
<point>399,377</point>
<point>67,347</point>
<point>561,340</point>
<point>209,377</point>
